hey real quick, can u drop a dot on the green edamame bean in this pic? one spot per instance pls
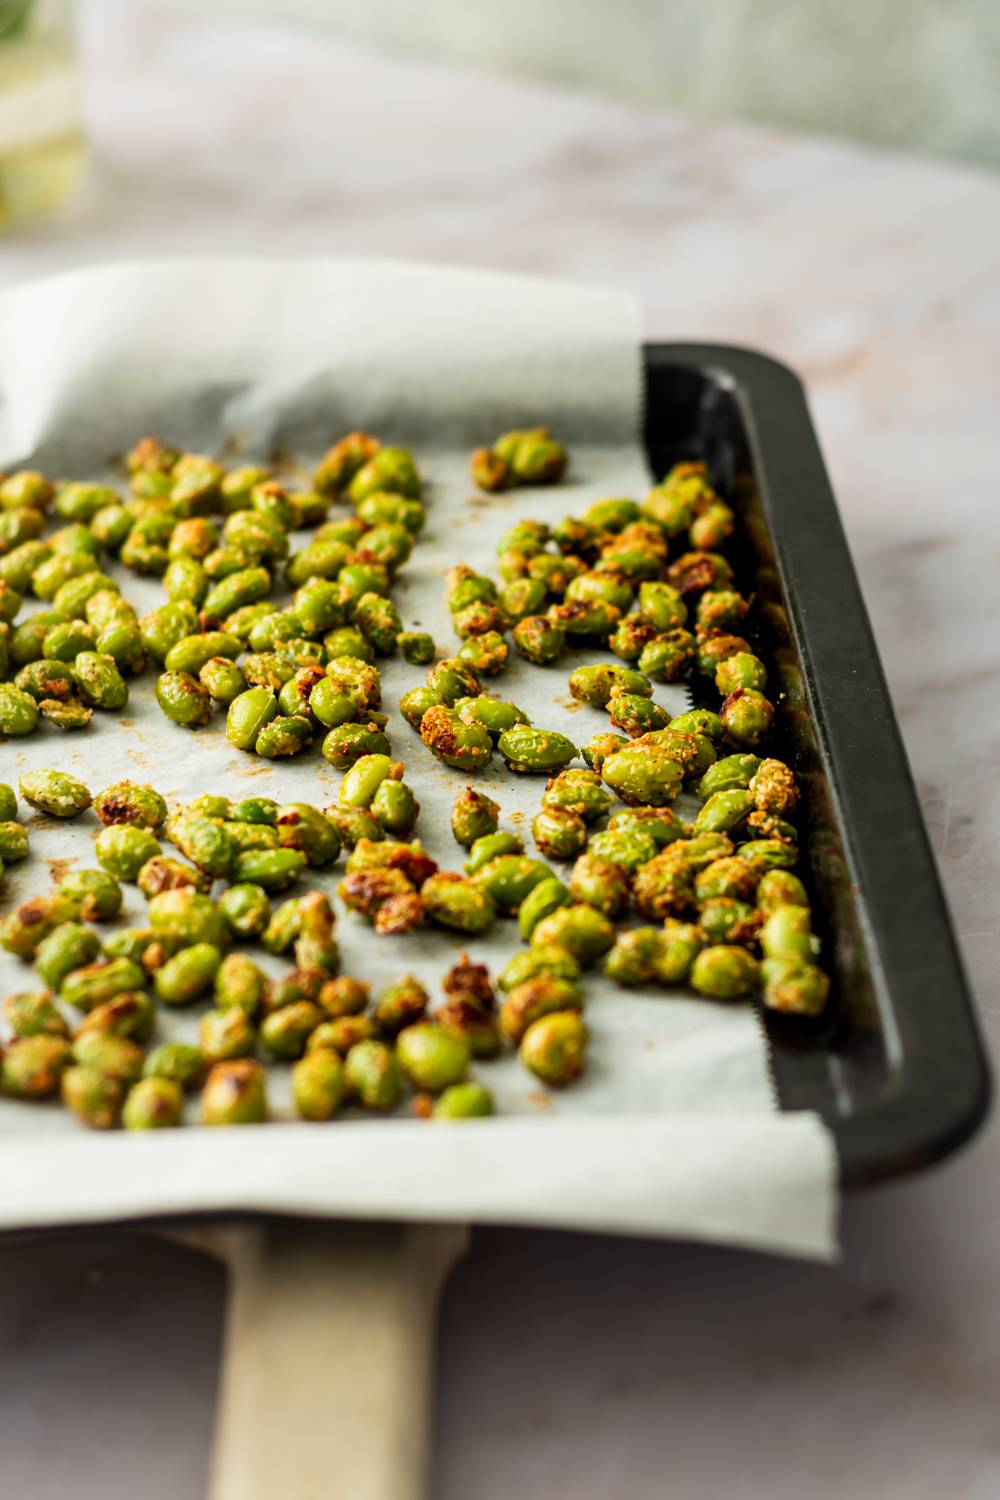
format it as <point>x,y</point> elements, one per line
<point>284,735</point>
<point>787,933</point>
<point>18,711</point>
<point>206,843</point>
<point>400,1005</point>
<point>415,703</point>
<point>234,1094</point>
<point>69,946</point>
<point>466,747</point>
<point>487,654</point>
<point>248,714</point>
<point>162,873</point>
<point>732,772</point>
<point>628,847</point>
<point>94,894</point>
<point>92,984</point>
<point>596,684</point>
<point>331,705</point>
<point>491,846</point>
<point>727,876</point>
<point>115,1056</point>
<point>272,869</point>
<point>389,470</point>
<point>285,1031</point>
<point>348,743</point>
<point>780,888</point>
<point>540,995</point>
<point>223,679</point>
<point>186,579</point>
<point>240,984</point>
<point>455,901</point>
<point>95,1097</point>
<point>304,828</point>
<point>636,714</point>
<point>769,854</point>
<point>56,793</point>
<point>347,640</point>
<point>741,670</point>
<point>700,721</point>
<point>452,679</point>
<point>535,751</point>
<point>508,878</point>
<point>225,1034</point>
<point>33,1065</point>
<point>65,642</point>
<point>541,958</point>
<point>540,902</point>
<point>583,931</point>
<point>318,1084</point>
<point>373,1075</point>
<point>185,916</point>
<point>553,1048</point>
<point>363,780</point>
<point>644,775</point>
<point>662,605</point>
<point>99,681</point>
<point>724,972</point>
<point>153,1104</point>
<point>539,639</point>
<point>26,487</point>
<point>395,807</point>
<point>34,1014</point>
<point>661,823</point>
<point>774,789</point>
<point>131,802</point>
<point>463,1101</point>
<point>724,811</point>
<point>23,929</point>
<point>122,850</point>
<point>493,714</point>
<point>235,591</point>
<point>179,1062</point>
<point>191,652</point>
<point>131,1014</point>
<point>416,646</point>
<point>473,816</point>
<point>559,832</point>
<point>187,974</point>
<point>46,679</point>
<point>431,1056</point>
<point>183,699</point>
<point>256,810</point>
<point>794,987</point>
<point>578,791</point>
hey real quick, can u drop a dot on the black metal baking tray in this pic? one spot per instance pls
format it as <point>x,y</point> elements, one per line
<point>897,1068</point>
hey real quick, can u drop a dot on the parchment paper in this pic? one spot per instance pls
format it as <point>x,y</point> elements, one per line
<point>674,1127</point>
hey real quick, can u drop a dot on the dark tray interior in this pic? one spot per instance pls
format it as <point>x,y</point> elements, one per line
<point>897,1067</point>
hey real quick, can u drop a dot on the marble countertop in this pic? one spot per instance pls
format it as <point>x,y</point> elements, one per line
<point>572,1368</point>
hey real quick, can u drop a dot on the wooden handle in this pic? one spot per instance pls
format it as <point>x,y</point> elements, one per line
<point>327,1370</point>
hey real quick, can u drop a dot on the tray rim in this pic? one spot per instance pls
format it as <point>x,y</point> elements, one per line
<point>939,1090</point>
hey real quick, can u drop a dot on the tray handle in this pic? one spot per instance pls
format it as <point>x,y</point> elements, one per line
<point>327,1374</point>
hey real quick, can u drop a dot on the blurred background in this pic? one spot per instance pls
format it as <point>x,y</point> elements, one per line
<point>920,75</point>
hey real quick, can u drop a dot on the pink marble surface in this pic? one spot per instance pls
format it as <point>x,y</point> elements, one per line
<point>596,1368</point>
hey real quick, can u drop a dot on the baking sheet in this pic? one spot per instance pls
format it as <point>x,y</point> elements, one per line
<point>674,1127</point>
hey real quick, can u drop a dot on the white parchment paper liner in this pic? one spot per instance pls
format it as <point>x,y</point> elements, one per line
<point>674,1128</point>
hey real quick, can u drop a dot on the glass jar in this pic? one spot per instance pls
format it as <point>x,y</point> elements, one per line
<point>41,138</point>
